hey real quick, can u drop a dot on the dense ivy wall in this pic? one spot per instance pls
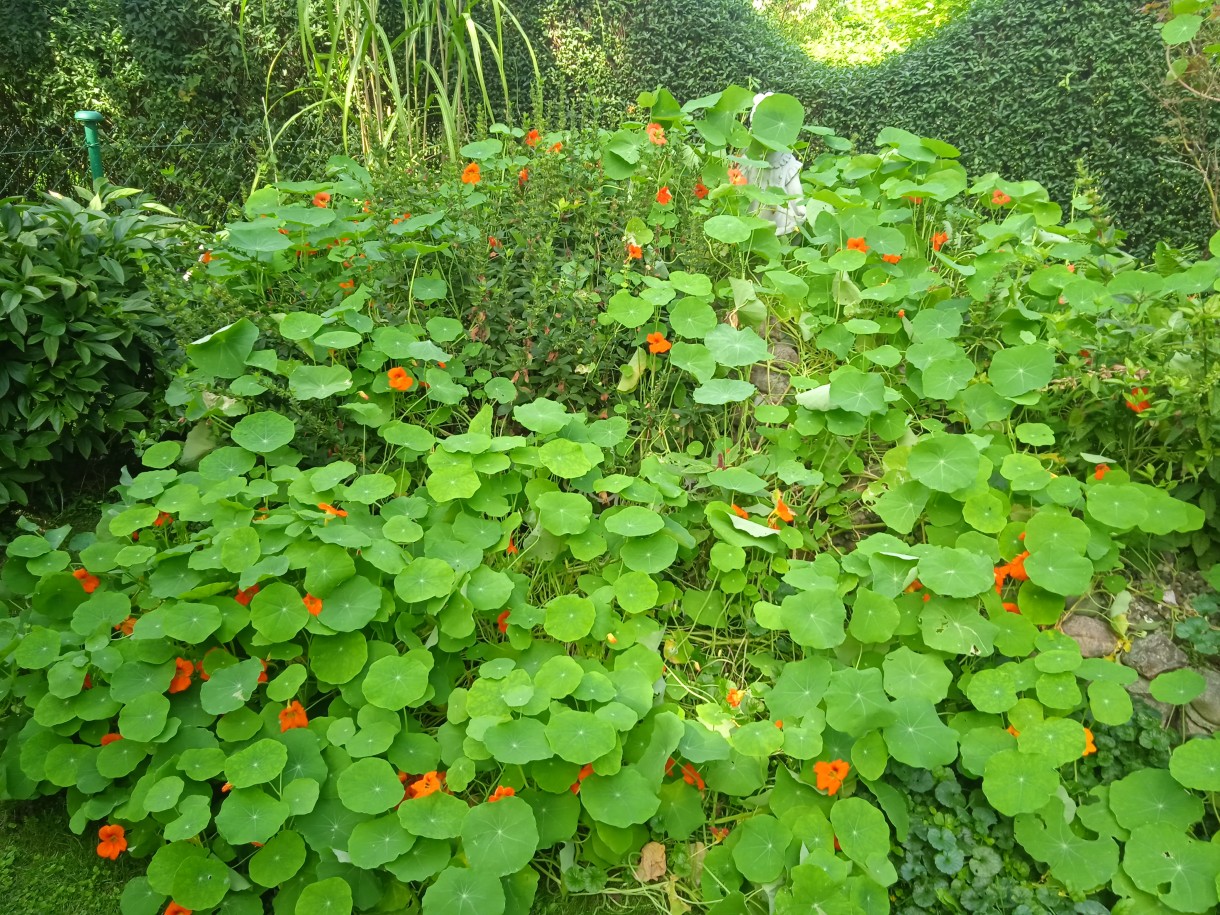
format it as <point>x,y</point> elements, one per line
<point>1022,87</point>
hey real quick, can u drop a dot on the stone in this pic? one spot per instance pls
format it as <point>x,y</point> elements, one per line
<point>1139,690</point>
<point>1154,654</point>
<point>1094,636</point>
<point>1206,708</point>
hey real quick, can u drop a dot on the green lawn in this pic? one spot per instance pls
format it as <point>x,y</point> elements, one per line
<point>46,870</point>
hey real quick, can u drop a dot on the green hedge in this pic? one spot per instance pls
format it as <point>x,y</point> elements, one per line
<point>1023,87</point>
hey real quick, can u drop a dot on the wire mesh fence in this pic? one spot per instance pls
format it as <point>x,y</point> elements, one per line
<point>201,171</point>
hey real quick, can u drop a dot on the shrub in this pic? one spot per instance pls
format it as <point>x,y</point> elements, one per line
<point>77,331</point>
<point>506,638</point>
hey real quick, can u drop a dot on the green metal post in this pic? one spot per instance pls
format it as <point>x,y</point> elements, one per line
<point>89,120</point>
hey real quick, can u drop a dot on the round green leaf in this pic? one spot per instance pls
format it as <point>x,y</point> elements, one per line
<point>396,682</point>
<point>569,618</point>
<point>434,816</point>
<point>634,521</point>
<point>1060,572</point>
<point>731,230</point>
<point>762,848</point>
<point>736,348</point>
<point>579,737</point>
<point>201,882</point>
<point>1109,702</point>
<point>1016,782</point>
<point>1021,369</point>
<point>955,572</point>
<point>258,763</point>
<point>337,658</point>
<point>278,613</point>
<point>918,737</point>
<point>1177,687</point>
<point>565,459</point>
<point>993,690</point>
<point>250,815</point>
<point>332,896</point>
<point>636,592</point>
<point>500,838</point>
<point>375,843</point>
<point>263,432</point>
<point>776,123</point>
<point>423,580</point>
<point>623,799</point>
<point>944,462</point>
<point>369,786</point>
<point>720,391</point>
<point>1196,764</point>
<point>518,742</point>
<point>464,891</point>
<point>278,861</point>
<point>352,605</point>
<point>653,554</point>
<point>1150,796</point>
<point>564,513</point>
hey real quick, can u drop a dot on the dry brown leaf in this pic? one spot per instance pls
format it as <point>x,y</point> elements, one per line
<point>652,863</point>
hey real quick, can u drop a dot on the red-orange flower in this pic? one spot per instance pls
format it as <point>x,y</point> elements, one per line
<point>857,244</point>
<point>262,677</point>
<point>740,512</point>
<point>782,511</point>
<point>891,258</point>
<point>398,379</point>
<point>205,257</point>
<point>108,739</point>
<point>556,147</point>
<point>914,586</point>
<point>999,198</point>
<point>312,604</point>
<point>736,178</point>
<point>657,343</point>
<point>1089,746</point>
<point>691,776</point>
<point>720,833</point>
<point>321,199</point>
<point>585,771</point>
<point>128,626</point>
<point>915,200</point>
<point>734,697</point>
<point>830,775</point>
<point>1101,471</point>
<point>226,787</point>
<point>182,678</point>
<point>502,621</point>
<point>1011,607</point>
<point>245,595</point>
<point>501,792</point>
<point>634,251</point>
<point>293,717</point>
<point>1137,405</point>
<point>511,549</point>
<point>1013,731</point>
<point>87,582</point>
<point>429,783</point>
<point>493,242</point>
<point>163,518</point>
<point>347,285</point>
<point>902,312</point>
<point>939,239</point>
<point>522,177</point>
<point>656,134</point>
<point>113,841</point>
<point>700,190</point>
<point>174,909</point>
<point>1016,568</point>
<point>532,138</point>
<point>664,196</point>
<point>470,174</point>
<point>331,510</point>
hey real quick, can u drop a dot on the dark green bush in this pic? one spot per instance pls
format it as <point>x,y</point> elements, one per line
<point>78,351</point>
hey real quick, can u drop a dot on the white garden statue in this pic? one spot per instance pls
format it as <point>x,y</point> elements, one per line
<point>783,171</point>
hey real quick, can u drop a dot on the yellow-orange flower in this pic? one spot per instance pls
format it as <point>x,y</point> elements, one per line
<point>331,510</point>
<point>857,244</point>
<point>782,511</point>
<point>293,717</point>
<point>734,697</point>
<point>741,512</point>
<point>470,174</point>
<point>656,134</point>
<point>830,775</point>
<point>502,791</point>
<point>430,783</point>
<point>736,177</point>
<point>1089,746</point>
<point>634,251</point>
<point>398,379</point>
<point>657,343</point>
<point>939,239</point>
<point>321,199</point>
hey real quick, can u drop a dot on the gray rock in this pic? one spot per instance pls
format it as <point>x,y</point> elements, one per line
<point>770,382</point>
<point>1206,709</point>
<point>1094,636</point>
<point>1154,654</point>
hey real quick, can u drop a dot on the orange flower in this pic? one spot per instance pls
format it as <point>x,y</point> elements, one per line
<point>182,679</point>
<point>502,621</point>
<point>782,511</point>
<point>891,258</point>
<point>1013,731</point>
<point>501,792</point>
<point>780,724</point>
<point>634,251</point>
<point>245,595</point>
<point>108,739</point>
<point>740,512</point>
<point>349,285</point>
<point>902,312</point>
<point>611,638</point>
<point>1101,471</point>
<point>331,510</point>
<point>493,242</point>
<point>470,174</point>
<point>585,771</point>
<point>430,783</point>
<point>511,549</point>
<point>262,677</point>
<point>321,199</point>
<point>87,582</point>
<point>556,147</point>
<point>926,597</point>
<point>857,244</point>
<point>532,138</point>
<point>312,604</point>
<point>700,190</point>
<point>1089,746</point>
<point>939,239</point>
<point>1001,575</point>
<point>657,343</point>
<point>914,586</point>
<point>830,775</point>
<point>163,518</point>
<point>692,777</point>
<point>736,178</point>
<point>293,717</point>
<point>398,379</point>
<point>1011,607</point>
<point>226,787</point>
<point>999,198</point>
<point>734,697</point>
<point>656,134</point>
<point>1137,406</point>
<point>664,196</point>
<point>522,177</point>
<point>1016,568</point>
<point>203,674</point>
<point>174,909</point>
<point>915,200</point>
<point>669,766</point>
<point>128,626</point>
<point>720,833</point>
<point>113,842</point>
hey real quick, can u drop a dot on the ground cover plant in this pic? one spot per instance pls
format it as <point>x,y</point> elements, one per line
<point>393,624</point>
